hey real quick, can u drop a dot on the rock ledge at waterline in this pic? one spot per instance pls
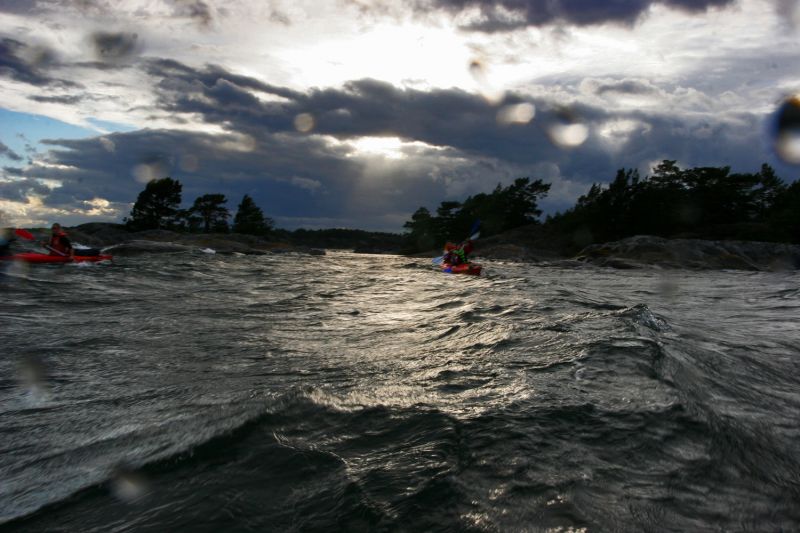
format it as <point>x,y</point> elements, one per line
<point>115,239</point>
<point>645,250</point>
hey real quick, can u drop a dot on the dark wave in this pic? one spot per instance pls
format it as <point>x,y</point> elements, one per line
<point>370,393</point>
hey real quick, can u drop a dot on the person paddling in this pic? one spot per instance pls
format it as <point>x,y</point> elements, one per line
<point>59,243</point>
<point>457,254</point>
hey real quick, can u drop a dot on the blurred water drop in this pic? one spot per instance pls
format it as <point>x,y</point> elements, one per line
<point>128,485</point>
<point>144,173</point>
<point>33,374</point>
<point>516,114</point>
<point>39,56</point>
<point>790,11</point>
<point>304,122</point>
<point>108,145</point>
<point>582,236</point>
<point>787,130</point>
<point>239,142</point>
<point>153,167</point>
<point>189,163</point>
<point>567,130</point>
<point>479,73</point>
<point>476,69</point>
<point>668,288</point>
<point>114,46</point>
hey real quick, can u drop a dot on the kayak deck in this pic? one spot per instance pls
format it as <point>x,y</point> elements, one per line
<point>470,269</point>
<point>33,257</point>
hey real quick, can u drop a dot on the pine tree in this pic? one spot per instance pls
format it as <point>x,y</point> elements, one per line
<point>157,205</point>
<point>211,209</point>
<point>250,219</point>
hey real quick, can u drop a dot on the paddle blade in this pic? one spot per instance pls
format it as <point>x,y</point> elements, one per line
<point>25,234</point>
<point>475,227</point>
<point>438,260</point>
<point>475,235</point>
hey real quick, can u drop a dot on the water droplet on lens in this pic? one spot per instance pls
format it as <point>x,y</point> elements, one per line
<point>304,122</point>
<point>668,288</point>
<point>189,163</point>
<point>516,114</point>
<point>33,374</point>
<point>144,173</point>
<point>567,130</point>
<point>107,144</point>
<point>109,46</point>
<point>479,72</point>
<point>128,485</point>
<point>582,237</point>
<point>152,168</point>
<point>787,130</point>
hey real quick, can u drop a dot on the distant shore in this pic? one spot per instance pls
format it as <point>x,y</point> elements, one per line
<point>641,251</point>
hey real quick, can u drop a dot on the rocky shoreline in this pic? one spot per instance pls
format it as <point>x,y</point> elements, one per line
<point>647,251</point>
<point>694,254</point>
<point>117,240</point>
<point>641,251</point>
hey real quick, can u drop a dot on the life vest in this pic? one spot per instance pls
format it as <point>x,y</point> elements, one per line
<point>57,245</point>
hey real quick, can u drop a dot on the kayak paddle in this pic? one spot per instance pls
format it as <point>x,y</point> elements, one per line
<point>25,234</point>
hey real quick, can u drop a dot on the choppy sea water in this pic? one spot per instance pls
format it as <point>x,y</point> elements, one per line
<point>373,393</point>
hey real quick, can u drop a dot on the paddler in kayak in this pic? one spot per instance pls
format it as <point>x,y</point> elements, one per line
<point>59,243</point>
<point>457,254</point>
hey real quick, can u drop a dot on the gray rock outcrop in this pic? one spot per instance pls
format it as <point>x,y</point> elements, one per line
<point>646,250</point>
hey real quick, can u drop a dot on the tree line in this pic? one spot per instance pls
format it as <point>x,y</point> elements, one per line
<point>700,202</point>
<point>502,209</point>
<point>158,207</point>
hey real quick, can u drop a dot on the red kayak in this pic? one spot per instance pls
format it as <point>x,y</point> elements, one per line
<point>470,269</point>
<point>32,257</point>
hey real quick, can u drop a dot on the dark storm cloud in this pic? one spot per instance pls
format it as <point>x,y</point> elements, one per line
<point>503,15</point>
<point>27,64</point>
<point>443,118</point>
<point>296,175</point>
<point>197,10</point>
<point>204,163</point>
<point>18,190</point>
<point>9,153</point>
<point>65,99</point>
<point>19,6</point>
<point>115,46</point>
<point>626,87</point>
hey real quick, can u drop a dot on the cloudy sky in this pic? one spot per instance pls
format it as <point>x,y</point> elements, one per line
<point>353,113</point>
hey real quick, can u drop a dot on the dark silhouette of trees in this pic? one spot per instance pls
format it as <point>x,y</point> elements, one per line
<point>156,206</point>
<point>502,209</point>
<point>422,230</point>
<point>211,210</point>
<point>250,219</point>
<point>700,202</point>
